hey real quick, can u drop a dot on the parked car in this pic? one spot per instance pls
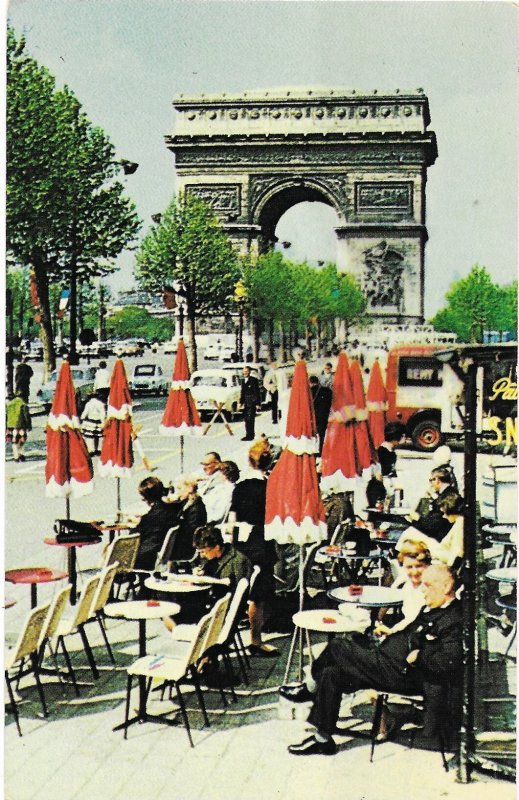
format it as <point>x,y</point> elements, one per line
<point>216,385</point>
<point>212,351</point>
<point>34,350</point>
<point>257,370</point>
<point>170,347</point>
<point>83,378</point>
<point>129,347</point>
<point>227,353</point>
<point>148,378</point>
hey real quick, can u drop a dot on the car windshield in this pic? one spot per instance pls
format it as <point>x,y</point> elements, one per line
<point>145,369</point>
<point>209,380</point>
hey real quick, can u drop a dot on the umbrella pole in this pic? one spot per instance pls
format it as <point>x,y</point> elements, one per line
<point>298,632</point>
<point>67,506</point>
<point>118,484</point>
<point>181,454</point>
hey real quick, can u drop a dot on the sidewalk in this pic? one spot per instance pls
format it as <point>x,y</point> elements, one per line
<point>75,755</point>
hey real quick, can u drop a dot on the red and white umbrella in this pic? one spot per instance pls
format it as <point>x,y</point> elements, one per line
<point>116,459</point>
<point>363,448</point>
<point>338,461</point>
<point>180,415</point>
<point>294,509</point>
<point>68,469</point>
<point>376,404</point>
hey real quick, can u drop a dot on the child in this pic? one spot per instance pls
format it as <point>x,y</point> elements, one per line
<point>18,424</point>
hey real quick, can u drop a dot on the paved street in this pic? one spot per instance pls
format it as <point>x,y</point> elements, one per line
<point>75,755</point>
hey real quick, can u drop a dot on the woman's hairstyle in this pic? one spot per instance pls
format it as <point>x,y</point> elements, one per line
<point>414,549</point>
<point>443,473</point>
<point>453,504</point>
<point>207,536</point>
<point>189,480</point>
<point>229,470</point>
<point>151,489</point>
<point>260,456</point>
<point>393,431</point>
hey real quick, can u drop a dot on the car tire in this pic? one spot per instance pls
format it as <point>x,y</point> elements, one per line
<point>427,436</point>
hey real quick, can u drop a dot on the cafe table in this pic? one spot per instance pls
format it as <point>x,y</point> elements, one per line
<point>141,611</point>
<point>356,567</point>
<point>33,576</point>
<point>327,621</point>
<point>371,597</point>
<point>502,575</point>
<point>180,584</point>
<point>396,515</point>
<point>71,559</point>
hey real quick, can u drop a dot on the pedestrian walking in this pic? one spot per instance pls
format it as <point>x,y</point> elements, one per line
<point>327,375</point>
<point>102,382</point>
<point>22,379</point>
<point>322,400</point>
<point>250,399</point>
<point>270,383</point>
<point>18,424</point>
<point>92,421</point>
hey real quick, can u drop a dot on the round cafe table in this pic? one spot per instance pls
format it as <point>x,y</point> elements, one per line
<point>503,575</point>
<point>179,584</point>
<point>34,576</point>
<point>71,560</point>
<point>371,597</point>
<point>141,610</point>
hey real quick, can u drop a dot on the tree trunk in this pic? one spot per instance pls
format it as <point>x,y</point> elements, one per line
<point>271,339</point>
<point>190,336</point>
<point>42,286</point>
<point>256,333</point>
<point>318,339</point>
<point>283,342</point>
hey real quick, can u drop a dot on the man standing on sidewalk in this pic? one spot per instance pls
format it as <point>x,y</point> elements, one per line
<point>250,399</point>
<point>270,383</point>
<point>22,379</point>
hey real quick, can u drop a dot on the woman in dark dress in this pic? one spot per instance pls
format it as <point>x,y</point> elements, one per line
<point>190,512</point>
<point>153,525</point>
<point>248,506</point>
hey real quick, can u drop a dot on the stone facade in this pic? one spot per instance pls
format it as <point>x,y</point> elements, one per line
<point>255,155</point>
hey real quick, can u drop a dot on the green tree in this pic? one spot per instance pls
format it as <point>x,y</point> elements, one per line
<point>67,215</point>
<point>189,250</point>
<point>476,304</point>
<point>134,321</point>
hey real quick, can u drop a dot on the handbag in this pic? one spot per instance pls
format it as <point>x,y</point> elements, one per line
<point>70,530</point>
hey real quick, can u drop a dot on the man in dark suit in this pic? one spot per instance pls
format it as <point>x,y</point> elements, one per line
<point>322,399</point>
<point>425,657</point>
<point>250,399</point>
<point>433,523</point>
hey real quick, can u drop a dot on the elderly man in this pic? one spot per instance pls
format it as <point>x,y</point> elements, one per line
<point>425,658</point>
<point>211,464</point>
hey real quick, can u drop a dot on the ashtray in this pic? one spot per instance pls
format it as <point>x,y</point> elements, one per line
<point>355,590</point>
<point>333,549</point>
<point>153,603</point>
<point>329,620</point>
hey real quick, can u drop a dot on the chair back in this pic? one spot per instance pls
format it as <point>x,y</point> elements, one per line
<point>104,588</point>
<point>234,611</point>
<point>255,572</point>
<point>83,609</point>
<point>218,613</point>
<point>56,610</point>
<point>161,555</point>
<point>194,652</point>
<point>124,550</point>
<point>29,638</point>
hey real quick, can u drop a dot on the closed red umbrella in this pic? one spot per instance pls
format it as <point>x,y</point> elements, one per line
<point>363,448</point>
<point>338,461</point>
<point>68,469</point>
<point>294,509</point>
<point>376,405</point>
<point>116,459</point>
<point>180,415</point>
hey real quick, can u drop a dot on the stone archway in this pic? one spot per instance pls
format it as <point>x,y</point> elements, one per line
<point>254,156</point>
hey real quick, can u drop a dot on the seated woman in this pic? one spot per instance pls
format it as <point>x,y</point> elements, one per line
<point>218,503</point>
<point>449,550</point>
<point>414,557</point>
<point>189,511</point>
<point>153,525</point>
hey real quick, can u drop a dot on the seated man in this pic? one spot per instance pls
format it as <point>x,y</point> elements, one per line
<point>220,560</point>
<point>433,522</point>
<point>423,658</point>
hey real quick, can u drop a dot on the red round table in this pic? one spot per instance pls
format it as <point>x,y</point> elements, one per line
<point>71,560</point>
<point>34,576</point>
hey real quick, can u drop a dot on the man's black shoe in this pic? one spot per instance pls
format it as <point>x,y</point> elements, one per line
<point>311,747</point>
<point>247,438</point>
<point>296,694</point>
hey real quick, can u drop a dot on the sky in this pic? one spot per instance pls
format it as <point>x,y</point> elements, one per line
<point>127,60</point>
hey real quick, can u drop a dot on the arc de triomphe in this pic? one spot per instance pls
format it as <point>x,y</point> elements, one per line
<point>255,155</point>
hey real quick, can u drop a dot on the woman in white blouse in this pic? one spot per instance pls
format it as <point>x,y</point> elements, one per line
<point>414,557</point>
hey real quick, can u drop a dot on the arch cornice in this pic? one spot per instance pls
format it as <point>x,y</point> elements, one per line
<point>263,189</point>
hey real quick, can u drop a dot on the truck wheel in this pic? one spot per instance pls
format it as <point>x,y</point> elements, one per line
<point>427,435</point>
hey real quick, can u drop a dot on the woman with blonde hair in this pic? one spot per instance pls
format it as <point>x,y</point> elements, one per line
<point>414,557</point>
<point>190,513</point>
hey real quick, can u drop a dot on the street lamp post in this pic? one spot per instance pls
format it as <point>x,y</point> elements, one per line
<point>239,297</point>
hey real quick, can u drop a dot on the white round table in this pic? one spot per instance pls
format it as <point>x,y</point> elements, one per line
<point>141,610</point>
<point>176,585</point>
<point>371,597</point>
<point>503,575</point>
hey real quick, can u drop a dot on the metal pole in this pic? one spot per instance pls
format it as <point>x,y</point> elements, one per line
<point>182,454</point>
<point>467,743</point>
<point>118,483</point>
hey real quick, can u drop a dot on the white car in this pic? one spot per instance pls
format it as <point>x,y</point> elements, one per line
<point>170,347</point>
<point>210,386</point>
<point>212,351</point>
<point>148,378</point>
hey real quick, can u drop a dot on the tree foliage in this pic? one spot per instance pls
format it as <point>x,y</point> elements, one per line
<point>189,250</point>
<point>66,210</point>
<point>133,321</point>
<point>476,304</point>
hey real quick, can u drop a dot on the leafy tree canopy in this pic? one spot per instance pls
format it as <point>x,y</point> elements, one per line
<point>133,321</point>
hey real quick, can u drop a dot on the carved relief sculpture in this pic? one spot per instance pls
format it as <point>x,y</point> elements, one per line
<point>383,284</point>
<point>224,199</point>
